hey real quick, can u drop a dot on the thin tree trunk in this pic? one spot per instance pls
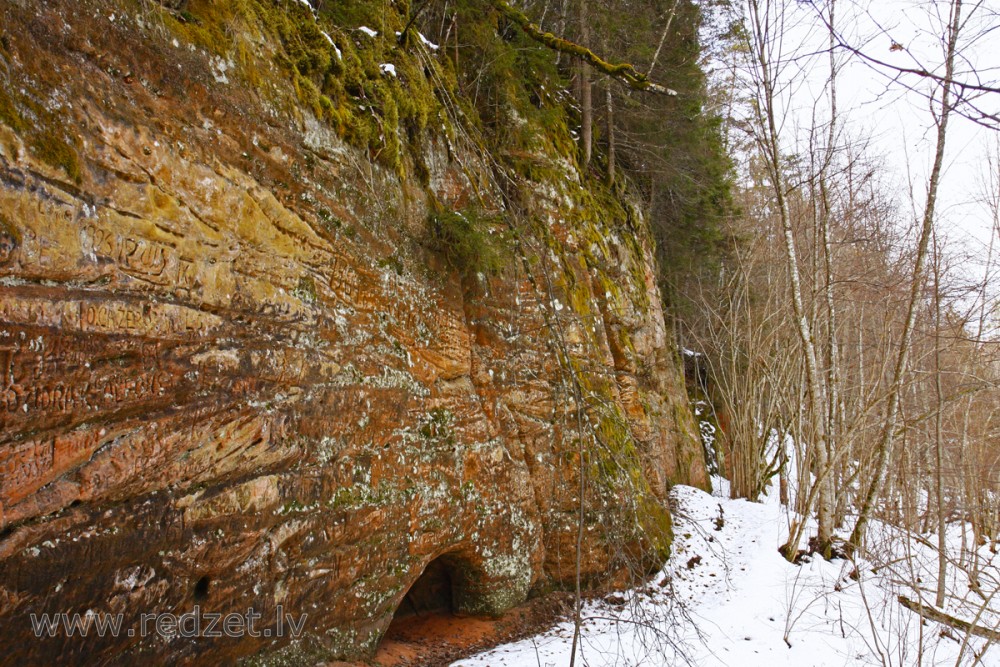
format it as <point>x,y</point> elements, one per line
<point>545,12</point>
<point>783,474</point>
<point>586,103</point>
<point>815,400</point>
<point>831,348</point>
<point>938,438</point>
<point>611,133</point>
<point>561,26</point>
<point>663,36</point>
<point>893,402</point>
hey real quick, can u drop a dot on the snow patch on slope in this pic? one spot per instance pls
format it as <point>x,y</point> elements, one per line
<point>727,597</point>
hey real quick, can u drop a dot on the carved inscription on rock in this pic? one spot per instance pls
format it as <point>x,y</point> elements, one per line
<point>131,254</point>
<point>28,465</point>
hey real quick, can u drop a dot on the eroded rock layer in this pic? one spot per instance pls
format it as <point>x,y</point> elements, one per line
<point>232,374</point>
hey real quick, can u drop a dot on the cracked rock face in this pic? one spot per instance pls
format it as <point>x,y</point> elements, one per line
<point>232,376</point>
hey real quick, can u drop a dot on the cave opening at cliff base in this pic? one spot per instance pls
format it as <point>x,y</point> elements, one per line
<point>431,595</point>
<point>432,592</point>
<point>429,618</point>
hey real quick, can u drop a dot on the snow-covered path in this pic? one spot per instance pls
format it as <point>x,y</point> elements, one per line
<point>727,597</point>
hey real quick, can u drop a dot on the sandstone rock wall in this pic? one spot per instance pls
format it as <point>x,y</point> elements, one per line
<point>232,375</point>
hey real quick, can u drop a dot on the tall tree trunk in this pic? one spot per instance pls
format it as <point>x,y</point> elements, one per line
<point>769,143</point>
<point>938,437</point>
<point>611,133</point>
<point>916,283</point>
<point>561,25</point>
<point>586,102</point>
<point>663,36</point>
<point>833,421</point>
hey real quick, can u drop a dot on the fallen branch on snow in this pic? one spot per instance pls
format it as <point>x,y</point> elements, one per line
<point>932,614</point>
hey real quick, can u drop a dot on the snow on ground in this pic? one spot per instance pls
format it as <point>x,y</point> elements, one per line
<point>727,597</point>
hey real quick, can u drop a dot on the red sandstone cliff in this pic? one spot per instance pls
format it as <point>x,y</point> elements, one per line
<point>233,375</point>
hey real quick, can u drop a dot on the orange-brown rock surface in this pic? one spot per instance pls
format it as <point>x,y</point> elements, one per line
<point>232,375</point>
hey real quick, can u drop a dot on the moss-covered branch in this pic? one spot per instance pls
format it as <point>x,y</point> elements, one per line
<point>625,72</point>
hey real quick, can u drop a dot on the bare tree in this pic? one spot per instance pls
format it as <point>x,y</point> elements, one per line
<point>764,46</point>
<point>917,280</point>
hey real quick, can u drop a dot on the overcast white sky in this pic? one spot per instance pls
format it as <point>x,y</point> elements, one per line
<point>901,121</point>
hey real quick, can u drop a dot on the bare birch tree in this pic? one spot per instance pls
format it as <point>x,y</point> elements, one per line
<point>764,37</point>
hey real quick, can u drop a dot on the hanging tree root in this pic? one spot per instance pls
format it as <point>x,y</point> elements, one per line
<point>932,614</point>
<point>624,72</point>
